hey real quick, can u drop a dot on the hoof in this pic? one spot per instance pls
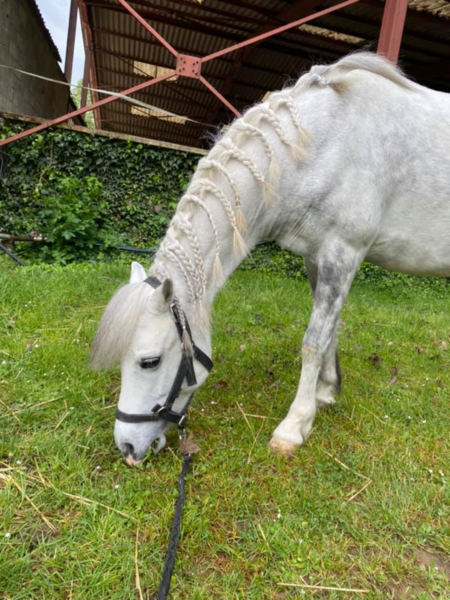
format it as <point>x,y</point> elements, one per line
<point>282,447</point>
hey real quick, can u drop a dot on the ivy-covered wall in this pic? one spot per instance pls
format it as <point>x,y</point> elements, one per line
<point>77,189</point>
<point>129,189</point>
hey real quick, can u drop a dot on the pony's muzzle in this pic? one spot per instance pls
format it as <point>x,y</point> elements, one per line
<point>131,462</point>
<point>129,454</point>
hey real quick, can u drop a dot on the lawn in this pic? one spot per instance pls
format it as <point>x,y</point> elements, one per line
<point>364,505</point>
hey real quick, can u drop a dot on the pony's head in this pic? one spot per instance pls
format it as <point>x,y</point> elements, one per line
<point>140,330</point>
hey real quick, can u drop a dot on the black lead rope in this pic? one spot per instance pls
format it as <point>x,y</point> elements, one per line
<point>169,565</point>
<point>188,448</point>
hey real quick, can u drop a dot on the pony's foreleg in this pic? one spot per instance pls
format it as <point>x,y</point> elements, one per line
<point>329,382</point>
<point>336,270</point>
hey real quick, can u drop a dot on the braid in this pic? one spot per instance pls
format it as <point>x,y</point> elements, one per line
<point>264,112</point>
<point>171,255</point>
<point>160,270</point>
<point>208,165</point>
<point>232,151</point>
<point>206,185</point>
<point>196,200</point>
<point>189,266</point>
<point>274,173</point>
<point>287,100</point>
<point>185,226</point>
<point>186,341</point>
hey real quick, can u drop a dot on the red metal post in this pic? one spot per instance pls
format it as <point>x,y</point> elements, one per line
<point>71,33</point>
<point>81,111</point>
<point>391,33</point>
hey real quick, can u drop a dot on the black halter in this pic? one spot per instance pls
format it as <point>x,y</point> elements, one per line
<point>185,371</point>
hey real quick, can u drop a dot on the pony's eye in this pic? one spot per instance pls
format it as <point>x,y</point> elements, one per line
<point>150,363</point>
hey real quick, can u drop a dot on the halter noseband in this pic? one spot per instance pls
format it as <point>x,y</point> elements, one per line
<point>185,371</point>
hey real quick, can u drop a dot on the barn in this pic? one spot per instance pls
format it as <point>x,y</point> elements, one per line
<point>26,45</point>
<point>190,66</point>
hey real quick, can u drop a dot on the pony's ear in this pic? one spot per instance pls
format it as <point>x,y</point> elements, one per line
<point>164,295</point>
<point>138,273</point>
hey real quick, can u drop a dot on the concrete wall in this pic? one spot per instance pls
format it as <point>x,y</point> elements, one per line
<point>25,44</point>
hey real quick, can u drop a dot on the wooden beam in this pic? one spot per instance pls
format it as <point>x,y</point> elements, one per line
<point>86,77</point>
<point>71,33</point>
<point>88,48</point>
<point>103,133</point>
<point>415,15</point>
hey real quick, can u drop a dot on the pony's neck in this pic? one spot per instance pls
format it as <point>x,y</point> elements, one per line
<point>230,203</point>
<point>203,246</point>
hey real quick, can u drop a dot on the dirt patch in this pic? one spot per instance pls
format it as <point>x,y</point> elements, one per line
<point>40,536</point>
<point>433,560</point>
<point>426,558</point>
<point>403,591</point>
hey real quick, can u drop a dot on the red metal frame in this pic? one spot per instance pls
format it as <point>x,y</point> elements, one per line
<point>190,66</point>
<point>81,111</point>
<point>391,33</point>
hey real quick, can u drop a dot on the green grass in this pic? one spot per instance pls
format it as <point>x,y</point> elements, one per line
<point>252,520</point>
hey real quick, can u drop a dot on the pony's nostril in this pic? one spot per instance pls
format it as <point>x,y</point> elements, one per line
<point>127,449</point>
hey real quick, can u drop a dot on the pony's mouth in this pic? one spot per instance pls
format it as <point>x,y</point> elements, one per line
<point>131,458</point>
<point>131,462</point>
<point>158,444</point>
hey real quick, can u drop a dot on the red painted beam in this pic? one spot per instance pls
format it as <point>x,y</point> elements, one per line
<point>81,111</point>
<point>219,95</point>
<point>273,32</point>
<point>392,26</point>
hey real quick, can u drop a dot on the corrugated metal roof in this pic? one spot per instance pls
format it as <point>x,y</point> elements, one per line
<point>201,28</point>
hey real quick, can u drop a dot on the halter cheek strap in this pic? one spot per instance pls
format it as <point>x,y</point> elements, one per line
<point>185,370</point>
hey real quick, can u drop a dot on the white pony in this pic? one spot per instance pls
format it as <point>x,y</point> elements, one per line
<point>351,163</point>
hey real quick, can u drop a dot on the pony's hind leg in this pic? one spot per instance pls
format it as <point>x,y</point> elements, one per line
<point>329,382</point>
<point>336,269</point>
